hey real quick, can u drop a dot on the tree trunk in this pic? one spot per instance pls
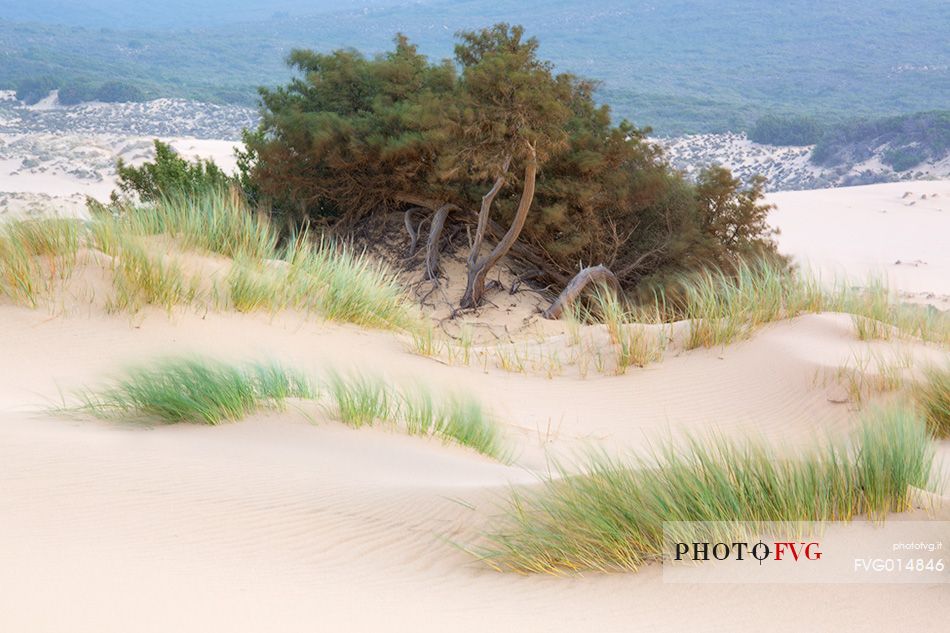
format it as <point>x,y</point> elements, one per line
<point>484,214</point>
<point>412,230</point>
<point>592,274</point>
<point>478,269</point>
<point>432,245</point>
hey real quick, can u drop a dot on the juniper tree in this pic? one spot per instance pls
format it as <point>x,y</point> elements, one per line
<point>498,141</point>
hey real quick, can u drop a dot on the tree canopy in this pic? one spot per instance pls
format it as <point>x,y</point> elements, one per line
<point>168,175</point>
<point>498,140</point>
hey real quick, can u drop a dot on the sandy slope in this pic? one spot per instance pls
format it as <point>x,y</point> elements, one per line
<point>292,522</point>
<point>281,524</point>
<point>896,229</point>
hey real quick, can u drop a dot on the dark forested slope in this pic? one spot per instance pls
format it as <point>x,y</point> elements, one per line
<point>680,66</point>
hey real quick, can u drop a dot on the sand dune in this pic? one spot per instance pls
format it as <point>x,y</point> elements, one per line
<point>898,230</point>
<point>290,521</point>
<point>287,522</point>
<point>269,525</point>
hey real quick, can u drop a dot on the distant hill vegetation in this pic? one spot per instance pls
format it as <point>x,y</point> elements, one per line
<point>72,92</point>
<point>900,142</point>
<point>786,130</point>
<point>907,141</point>
<point>685,66</point>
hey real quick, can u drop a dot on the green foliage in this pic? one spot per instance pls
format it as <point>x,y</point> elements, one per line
<point>786,130</point>
<point>80,91</point>
<point>933,398</point>
<point>680,66</point>
<point>32,90</point>
<point>611,517</point>
<point>196,390</point>
<point>74,92</point>
<point>734,217</point>
<point>904,158</point>
<point>168,175</point>
<point>353,137</point>
<point>118,92</point>
<point>911,139</point>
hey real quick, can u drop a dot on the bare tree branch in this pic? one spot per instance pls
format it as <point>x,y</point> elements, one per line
<point>592,274</point>
<point>432,245</point>
<point>475,286</point>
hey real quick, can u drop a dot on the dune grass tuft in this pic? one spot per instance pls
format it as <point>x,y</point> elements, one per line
<point>611,517</point>
<point>460,419</point>
<point>19,273</point>
<point>725,307</point>
<point>364,400</point>
<point>141,278</point>
<point>208,391</point>
<point>344,286</point>
<point>251,287</point>
<point>932,395</point>
<point>360,400</point>
<point>215,220</point>
<point>34,254</point>
<point>465,421</point>
<point>325,278</point>
<point>196,390</point>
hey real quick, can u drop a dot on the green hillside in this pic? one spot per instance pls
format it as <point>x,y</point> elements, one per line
<point>679,66</point>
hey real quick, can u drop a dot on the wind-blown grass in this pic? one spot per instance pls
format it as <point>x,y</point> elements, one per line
<point>611,517</point>
<point>932,395</point>
<point>57,237</point>
<point>323,278</point>
<point>345,286</point>
<point>209,391</point>
<point>216,221</point>
<point>251,287</point>
<point>718,308</point>
<point>364,400</point>
<point>466,422</point>
<point>724,307</point>
<point>196,390</point>
<point>34,254</point>
<point>141,278</point>
<point>360,400</point>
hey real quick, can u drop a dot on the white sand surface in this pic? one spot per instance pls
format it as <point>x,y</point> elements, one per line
<point>900,231</point>
<point>290,521</point>
<point>293,522</point>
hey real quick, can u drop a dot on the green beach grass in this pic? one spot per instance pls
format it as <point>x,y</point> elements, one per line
<point>932,395</point>
<point>318,277</point>
<point>201,390</point>
<point>196,390</point>
<point>364,400</point>
<point>610,517</point>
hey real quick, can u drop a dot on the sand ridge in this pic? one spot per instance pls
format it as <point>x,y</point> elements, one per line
<point>289,521</point>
